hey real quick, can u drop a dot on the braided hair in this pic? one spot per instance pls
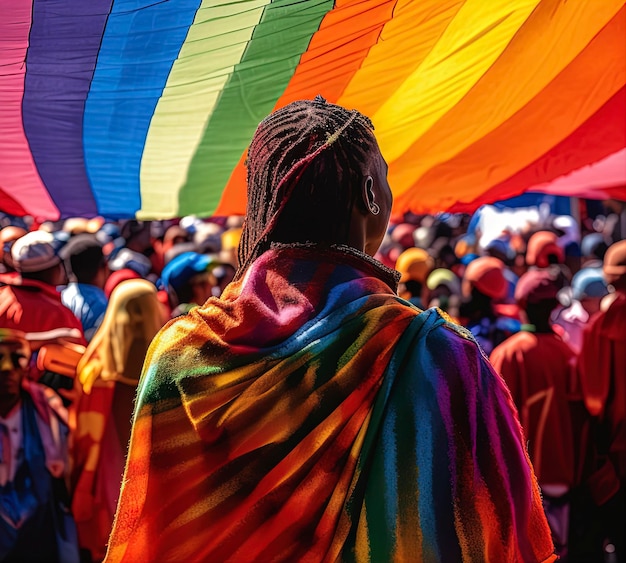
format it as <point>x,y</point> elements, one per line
<point>304,176</point>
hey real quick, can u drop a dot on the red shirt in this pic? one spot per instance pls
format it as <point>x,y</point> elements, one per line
<point>538,369</point>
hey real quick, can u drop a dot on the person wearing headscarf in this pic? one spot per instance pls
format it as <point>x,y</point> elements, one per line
<point>483,286</point>
<point>107,375</point>
<point>311,414</point>
<point>538,368</point>
<point>35,521</point>
<point>602,367</point>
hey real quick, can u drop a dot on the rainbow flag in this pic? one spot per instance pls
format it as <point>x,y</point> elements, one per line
<point>136,108</point>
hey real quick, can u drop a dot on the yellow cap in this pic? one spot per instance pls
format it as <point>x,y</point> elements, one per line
<point>414,264</point>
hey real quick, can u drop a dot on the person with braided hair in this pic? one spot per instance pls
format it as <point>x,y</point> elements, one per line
<point>309,413</point>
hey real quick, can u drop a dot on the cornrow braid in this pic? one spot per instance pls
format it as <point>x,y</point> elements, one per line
<point>304,176</point>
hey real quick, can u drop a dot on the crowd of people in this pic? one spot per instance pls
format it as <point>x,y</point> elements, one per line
<point>82,299</point>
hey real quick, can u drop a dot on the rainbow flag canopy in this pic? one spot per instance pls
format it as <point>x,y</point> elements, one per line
<point>135,108</point>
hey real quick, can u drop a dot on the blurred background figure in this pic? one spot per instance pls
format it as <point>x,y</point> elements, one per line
<point>602,367</point>
<point>31,302</point>
<point>579,302</point>
<point>191,278</point>
<point>108,375</point>
<point>483,286</point>
<point>444,291</point>
<point>543,250</point>
<point>414,265</point>
<point>35,523</point>
<point>230,244</point>
<point>8,235</point>
<point>538,368</point>
<point>87,272</point>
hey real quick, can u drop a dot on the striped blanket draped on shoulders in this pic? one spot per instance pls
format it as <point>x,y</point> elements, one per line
<point>310,414</point>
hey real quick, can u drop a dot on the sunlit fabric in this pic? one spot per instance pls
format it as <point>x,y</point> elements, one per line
<point>315,416</point>
<point>135,108</point>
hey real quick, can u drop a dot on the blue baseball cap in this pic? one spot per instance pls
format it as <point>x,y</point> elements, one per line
<point>182,268</point>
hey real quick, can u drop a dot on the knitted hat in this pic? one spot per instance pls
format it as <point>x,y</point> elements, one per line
<point>34,252</point>
<point>414,264</point>
<point>541,246</point>
<point>486,275</point>
<point>443,276</point>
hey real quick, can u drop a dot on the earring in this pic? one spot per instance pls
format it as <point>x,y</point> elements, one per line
<point>374,208</point>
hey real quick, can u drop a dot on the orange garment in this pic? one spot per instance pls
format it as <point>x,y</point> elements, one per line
<point>108,375</point>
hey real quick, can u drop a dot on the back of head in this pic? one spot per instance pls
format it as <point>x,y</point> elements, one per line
<point>117,351</point>
<point>303,175</point>
<point>485,275</point>
<point>614,267</point>
<point>83,253</point>
<point>177,275</point>
<point>543,249</point>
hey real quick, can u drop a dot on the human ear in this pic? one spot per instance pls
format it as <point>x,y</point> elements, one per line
<point>368,196</point>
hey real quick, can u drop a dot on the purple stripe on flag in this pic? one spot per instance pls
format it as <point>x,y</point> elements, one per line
<point>63,48</point>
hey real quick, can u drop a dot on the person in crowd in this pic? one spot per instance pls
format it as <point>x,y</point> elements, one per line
<point>568,232</point>
<point>602,367</point>
<point>538,368</point>
<point>87,269</point>
<point>483,285</point>
<point>190,279</point>
<point>308,412</point>
<point>579,302</point>
<point>32,304</point>
<point>229,246</point>
<point>414,265</point>
<point>444,291</point>
<point>593,248</point>
<point>125,258</point>
<point>108,374</point>
<point>543,250</point>
<point>35,523</point>
<point>8,235</point>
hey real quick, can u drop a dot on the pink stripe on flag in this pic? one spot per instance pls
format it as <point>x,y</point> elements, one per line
<point>19,178</point>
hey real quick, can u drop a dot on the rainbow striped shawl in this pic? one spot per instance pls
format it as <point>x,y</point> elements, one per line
<point>310,414</point>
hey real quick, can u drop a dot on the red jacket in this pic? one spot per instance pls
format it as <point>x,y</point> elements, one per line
<point>34,306</point>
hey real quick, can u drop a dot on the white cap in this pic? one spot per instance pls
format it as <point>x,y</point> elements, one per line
<point>34,252</point>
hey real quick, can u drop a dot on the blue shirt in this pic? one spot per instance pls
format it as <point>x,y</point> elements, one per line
<point>88,303</point>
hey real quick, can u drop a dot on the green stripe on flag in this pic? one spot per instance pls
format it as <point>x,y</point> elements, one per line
<point>215,43</point>
<point>258,81</point>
